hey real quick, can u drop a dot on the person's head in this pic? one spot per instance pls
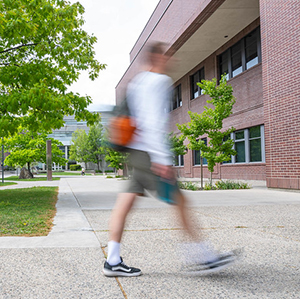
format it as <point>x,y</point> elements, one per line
<point>157,58</point>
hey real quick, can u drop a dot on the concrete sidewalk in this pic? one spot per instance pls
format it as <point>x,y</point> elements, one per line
<point>68,262</point>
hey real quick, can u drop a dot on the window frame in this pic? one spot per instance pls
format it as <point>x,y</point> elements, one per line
<point>230,74</point>
<point>194,155</point>
<point>176,91</point>
<point>247,140</point>
<point>179,159</point>
<point>201,76</point>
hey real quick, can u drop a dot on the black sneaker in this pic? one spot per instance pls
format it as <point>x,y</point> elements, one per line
<point>223,261</point>
<point>120,270</point>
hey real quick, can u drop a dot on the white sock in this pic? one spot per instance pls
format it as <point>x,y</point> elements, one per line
<point>113,253</point>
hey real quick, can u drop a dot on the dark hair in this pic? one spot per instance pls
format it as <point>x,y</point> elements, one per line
<point>157,48</point>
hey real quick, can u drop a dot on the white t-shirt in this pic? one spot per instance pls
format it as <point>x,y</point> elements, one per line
<point>148,96</point>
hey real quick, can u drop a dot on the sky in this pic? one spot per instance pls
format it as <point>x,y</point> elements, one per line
<point>117,25</point>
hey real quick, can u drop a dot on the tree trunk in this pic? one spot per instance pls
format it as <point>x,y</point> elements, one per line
<point>25,174</point>
<point>28,167</point>
<point>125,170</point>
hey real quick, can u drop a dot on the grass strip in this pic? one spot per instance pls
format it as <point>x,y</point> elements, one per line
<point>16,178</point>
<point>7,184</point>
<point>27,211</point>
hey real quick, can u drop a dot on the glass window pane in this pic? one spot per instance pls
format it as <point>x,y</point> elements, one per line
<point>205,142</point>
<point>237,71</point>
<point>181,160</point>
<point>174,100</point>
<point>176,161</point>
<point>236,59</point>
<point>196,157</point>
<point>224,68</point>
<point>195,89</point>
<point>252,63</point>
<point>255,150</point>
<point>224,58</point>
<point>201,77</point>
<point>240,149</point>
<point>251,56</point>
<point>254,132</point>
<point>251,38</point>
<point>239,135</point>
<point>179,96</point>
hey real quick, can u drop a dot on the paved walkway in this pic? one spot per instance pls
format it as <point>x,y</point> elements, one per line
<point>68,262</point>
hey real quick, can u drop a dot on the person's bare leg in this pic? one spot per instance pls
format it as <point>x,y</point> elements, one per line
<point>193,230</point>
<point>114,265</point>
<point>118,217</point>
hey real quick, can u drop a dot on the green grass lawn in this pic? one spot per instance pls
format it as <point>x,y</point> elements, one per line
<point>7,184</point>
<point>16,178</point>
<point>27,211</point>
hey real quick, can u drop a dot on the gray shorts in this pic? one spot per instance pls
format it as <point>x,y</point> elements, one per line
<point>142,176</point>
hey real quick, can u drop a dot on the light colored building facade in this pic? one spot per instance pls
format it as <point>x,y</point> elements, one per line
<point>64,134</point>
<point>255,42</point>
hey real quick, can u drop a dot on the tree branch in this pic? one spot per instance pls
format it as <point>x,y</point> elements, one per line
<point>18,47</point>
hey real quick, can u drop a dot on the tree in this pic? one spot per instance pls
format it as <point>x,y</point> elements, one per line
<point>210,122</point>
<point>177,144</point>
<point>94,144</point>
<point>79,148</point>
<point>43,49</point>
<point>116,159</point>
<point>26,148</point>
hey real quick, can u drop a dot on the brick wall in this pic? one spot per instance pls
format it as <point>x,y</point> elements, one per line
<point>280,28</point>
<point>189,16</point>
<point>248,111</point>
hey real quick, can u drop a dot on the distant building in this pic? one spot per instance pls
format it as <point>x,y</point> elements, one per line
<point>256,44</point>
<point>64,134</point>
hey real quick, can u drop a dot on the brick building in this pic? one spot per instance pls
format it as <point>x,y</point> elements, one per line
<point>255,42</point>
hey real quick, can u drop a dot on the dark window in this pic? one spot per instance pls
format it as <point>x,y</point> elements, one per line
<point>197,155</point>
<point>179,160</point>
<point>251,49</point>
<point>224,64</point>
<point>240,57</point>
<point>236,59</point>
<point>195,78</point>
<point>249,145</point>
<point>240,147</point>
<point>255,144</point>
<point>176,99</point>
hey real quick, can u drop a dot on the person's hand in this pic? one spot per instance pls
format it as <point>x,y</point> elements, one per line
<point>164,171</point>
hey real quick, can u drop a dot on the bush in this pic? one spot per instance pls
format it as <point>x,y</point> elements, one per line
<point>208,186</point>
<point>109,177</point>
<point>75,167</point>
<point>188,186</point>
<point>224,185</point>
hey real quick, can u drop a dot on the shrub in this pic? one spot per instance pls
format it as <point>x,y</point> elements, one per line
<point>188,186</point>
<point>225,185</point>
<point>75,167</point>
<point>109,177</point>
<point>208,186</point>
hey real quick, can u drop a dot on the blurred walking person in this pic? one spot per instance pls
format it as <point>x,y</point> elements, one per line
<point>148,97</point>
